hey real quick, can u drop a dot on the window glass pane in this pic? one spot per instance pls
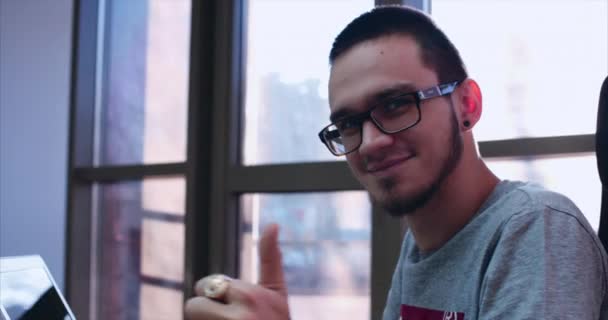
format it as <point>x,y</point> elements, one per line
<point>143,114</point>
<point>325,241</point>
<point>287,73</point>
<point>141,249</point>
<point>574,176</point>
<point>540,64</point>
<point>161,303</point>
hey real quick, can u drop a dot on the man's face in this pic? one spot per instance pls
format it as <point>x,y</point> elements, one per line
<point>401,171</point>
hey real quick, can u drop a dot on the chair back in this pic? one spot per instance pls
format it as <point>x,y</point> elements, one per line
<point>601,149</point>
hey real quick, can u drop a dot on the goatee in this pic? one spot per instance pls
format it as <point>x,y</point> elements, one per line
<point>401,206</point>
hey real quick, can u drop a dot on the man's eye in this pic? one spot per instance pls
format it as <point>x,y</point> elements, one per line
<point>347,125</point>
<point>399,103</point>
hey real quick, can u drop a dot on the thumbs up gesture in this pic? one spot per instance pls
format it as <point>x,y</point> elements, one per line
<point>236,299</point>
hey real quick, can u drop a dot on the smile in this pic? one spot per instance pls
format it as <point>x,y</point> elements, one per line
<point>384,167</point>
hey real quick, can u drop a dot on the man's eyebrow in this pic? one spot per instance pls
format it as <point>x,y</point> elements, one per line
<point>343,113</point>
<point>392,91</point>
<point>388,92</point>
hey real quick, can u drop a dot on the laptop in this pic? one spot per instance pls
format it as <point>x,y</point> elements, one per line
<point>28,291</point>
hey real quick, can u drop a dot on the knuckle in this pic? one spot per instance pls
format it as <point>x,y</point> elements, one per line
<point>249,299</point>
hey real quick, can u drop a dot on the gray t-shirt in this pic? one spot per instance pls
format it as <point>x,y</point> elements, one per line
<point>528,253</point>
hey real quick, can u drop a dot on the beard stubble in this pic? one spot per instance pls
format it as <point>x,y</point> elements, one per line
<point>401,206</point>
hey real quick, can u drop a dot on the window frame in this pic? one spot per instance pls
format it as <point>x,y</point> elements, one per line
<point>215,176</point>
<point>84,173</point>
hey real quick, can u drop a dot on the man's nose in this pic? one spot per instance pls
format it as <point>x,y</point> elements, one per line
<point>372,139</point>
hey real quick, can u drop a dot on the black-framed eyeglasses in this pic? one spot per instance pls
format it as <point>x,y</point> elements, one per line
<point>393,115</point>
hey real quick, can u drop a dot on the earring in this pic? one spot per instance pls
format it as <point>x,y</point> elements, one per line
<point>466,123</point>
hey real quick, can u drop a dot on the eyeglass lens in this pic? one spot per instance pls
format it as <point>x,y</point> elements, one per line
<point>392,116</point>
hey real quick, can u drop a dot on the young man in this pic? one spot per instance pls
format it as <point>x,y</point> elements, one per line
<point>402,112</point>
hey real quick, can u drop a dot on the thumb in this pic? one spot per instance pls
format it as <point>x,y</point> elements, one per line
<point>271,261</point>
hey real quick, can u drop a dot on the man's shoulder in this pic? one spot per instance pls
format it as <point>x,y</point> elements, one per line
<point>538,197</point>
<point>529,198</point>
<point>533,208</point>
<point>545,247</point>
<point>525,203</point>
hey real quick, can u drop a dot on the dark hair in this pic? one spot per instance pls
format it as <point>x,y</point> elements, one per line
<point>438,52</point>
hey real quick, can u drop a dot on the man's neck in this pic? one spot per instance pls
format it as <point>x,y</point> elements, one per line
<point>456,201</point>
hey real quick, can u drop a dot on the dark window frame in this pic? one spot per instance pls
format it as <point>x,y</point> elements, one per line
<point>215,178</point>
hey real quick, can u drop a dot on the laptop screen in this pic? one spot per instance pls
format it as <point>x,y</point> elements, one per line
<point>29,293</point>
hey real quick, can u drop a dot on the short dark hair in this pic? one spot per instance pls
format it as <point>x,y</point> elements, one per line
<point>438,52</point>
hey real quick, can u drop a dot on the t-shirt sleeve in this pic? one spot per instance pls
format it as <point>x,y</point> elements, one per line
<point>393,306</point>
<point>547,265</point>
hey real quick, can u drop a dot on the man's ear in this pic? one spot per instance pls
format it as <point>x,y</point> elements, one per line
<point>469,104</point>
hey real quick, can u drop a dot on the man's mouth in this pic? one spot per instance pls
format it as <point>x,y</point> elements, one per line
<point>385,166</point>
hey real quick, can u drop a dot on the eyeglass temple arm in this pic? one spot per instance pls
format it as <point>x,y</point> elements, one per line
<point>437,91</point>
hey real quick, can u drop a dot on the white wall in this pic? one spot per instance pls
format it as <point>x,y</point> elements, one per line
<point>35,53</point>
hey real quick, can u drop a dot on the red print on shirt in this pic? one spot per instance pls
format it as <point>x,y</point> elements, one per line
<point>417,313</point>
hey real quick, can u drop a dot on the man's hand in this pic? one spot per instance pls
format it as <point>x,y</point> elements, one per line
<point>245,301</point>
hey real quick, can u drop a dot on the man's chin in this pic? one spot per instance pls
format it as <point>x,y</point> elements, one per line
<point>399,204</point>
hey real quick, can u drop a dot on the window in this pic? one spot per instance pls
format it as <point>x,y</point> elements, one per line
<point>129,164</point>
<point>154,171</point>
<point>325,241</point>
<point>287,77</point>
<point>194,124</point>
<point>325,236</point>
<point>538,78</point>
<point>144,91</point>
<point>541,80</point>
<point>141,248</point>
